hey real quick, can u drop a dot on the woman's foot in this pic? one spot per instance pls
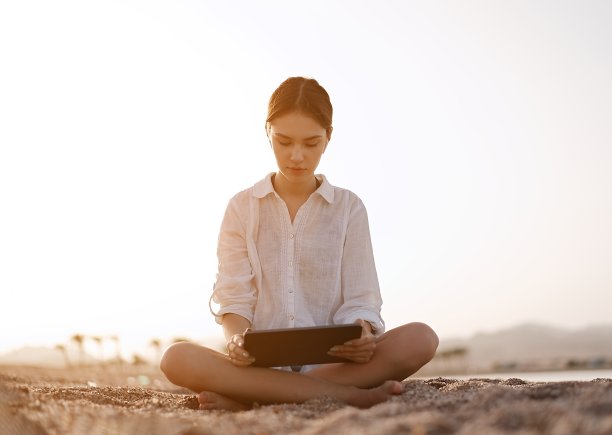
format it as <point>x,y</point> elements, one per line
<point>374,396</point>
<point>209,401</point>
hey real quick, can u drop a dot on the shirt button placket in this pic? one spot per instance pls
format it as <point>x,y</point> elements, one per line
<point>290,280</point>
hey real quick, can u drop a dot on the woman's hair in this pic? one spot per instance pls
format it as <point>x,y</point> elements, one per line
<point>303,95</point>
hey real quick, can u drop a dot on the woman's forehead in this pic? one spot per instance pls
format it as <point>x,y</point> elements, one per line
<point>296,125</point>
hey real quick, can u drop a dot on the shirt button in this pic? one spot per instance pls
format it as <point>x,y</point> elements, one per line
<point>291,317</point>
<point>290,290</point>
<point>291,236</point>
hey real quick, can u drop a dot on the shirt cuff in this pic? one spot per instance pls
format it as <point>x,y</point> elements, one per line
<point>373,319</point>
<point>234,309</point>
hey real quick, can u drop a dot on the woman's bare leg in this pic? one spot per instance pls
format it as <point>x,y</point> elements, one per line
<point>399,353</point>
<point>203,370</point>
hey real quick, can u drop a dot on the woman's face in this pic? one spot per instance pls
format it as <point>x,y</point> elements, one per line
<point>298,142</point>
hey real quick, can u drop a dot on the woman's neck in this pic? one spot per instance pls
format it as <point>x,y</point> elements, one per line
<point>284,187</point>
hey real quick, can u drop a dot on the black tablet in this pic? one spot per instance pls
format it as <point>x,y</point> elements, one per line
<point>298,346</point>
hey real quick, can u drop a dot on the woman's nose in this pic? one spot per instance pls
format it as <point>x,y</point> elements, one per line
<point>297,154</point>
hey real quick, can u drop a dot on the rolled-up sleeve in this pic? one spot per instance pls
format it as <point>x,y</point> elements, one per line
<point>235,289</point>
<point>359,286</point>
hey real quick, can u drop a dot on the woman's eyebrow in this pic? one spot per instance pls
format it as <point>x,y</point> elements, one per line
<point>318,136</point>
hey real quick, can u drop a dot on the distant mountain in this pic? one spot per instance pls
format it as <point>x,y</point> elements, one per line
<point>530,343</point>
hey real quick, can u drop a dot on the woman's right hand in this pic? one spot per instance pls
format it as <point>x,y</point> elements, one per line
<point>237,354</point>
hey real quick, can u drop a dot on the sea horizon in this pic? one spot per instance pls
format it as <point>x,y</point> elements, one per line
<point>534,376</point>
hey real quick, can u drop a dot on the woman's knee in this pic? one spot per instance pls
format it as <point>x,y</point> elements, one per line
<point>174,358</point>
<point>429,340</point>
<point>421,340</point>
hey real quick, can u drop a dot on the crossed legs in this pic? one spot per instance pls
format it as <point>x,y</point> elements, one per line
<point>399,353</point>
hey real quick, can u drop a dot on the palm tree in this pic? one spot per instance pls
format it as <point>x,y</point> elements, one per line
<point>79,339</point>
<point>64,351</point>
<point>118,358</point>
<point>100,342</point>
<point>156,344</point>
<point>137,360</point>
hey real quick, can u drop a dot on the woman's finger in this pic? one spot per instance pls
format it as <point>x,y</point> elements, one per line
<point>235,342</point>
<point>354,357</point>
<point>350,349</point>
<point>360,359</point>
<point>237,339</point>
<point>241,361</point>
<point>361,341</point>
<point>239,354</point>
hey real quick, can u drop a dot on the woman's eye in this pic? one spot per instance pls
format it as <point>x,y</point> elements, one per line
<point>284,143</point>
<point>312,144</point>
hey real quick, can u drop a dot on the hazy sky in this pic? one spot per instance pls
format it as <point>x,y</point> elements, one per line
<point>478,134</point>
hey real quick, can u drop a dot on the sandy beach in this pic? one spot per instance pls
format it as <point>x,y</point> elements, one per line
<point>137,400</point>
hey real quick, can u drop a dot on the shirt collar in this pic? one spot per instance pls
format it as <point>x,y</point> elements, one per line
<point>264,187</point>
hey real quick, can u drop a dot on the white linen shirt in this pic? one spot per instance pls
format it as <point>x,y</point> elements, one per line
<point>318,270</point>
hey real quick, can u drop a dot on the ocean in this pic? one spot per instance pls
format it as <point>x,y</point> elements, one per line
<point>553,376</point>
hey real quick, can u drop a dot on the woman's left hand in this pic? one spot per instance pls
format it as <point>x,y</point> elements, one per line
<point>359,350</point>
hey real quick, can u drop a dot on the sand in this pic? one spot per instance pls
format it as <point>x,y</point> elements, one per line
<point>137,400</point>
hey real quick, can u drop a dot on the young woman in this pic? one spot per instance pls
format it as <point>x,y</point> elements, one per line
<point>295,251</point>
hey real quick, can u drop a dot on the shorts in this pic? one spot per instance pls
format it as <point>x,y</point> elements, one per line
<point>297,369</point>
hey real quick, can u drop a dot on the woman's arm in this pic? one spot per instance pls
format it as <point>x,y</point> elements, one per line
<point>234,324</point>
<point>359,281</point>
<point>235,289</point>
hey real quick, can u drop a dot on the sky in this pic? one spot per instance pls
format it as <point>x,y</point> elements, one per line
<point>477,133</point>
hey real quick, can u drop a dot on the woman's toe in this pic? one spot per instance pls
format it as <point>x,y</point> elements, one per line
<point>206,400</point>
